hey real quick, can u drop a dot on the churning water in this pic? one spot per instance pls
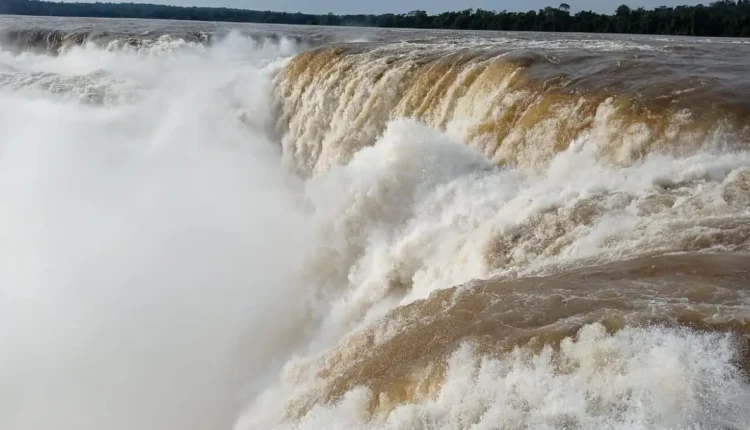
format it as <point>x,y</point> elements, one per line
<point>206,227</point>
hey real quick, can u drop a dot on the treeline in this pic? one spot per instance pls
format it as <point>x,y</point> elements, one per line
<point>729,18</point>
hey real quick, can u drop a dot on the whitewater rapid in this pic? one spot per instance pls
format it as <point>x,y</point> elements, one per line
<point>247,234</point>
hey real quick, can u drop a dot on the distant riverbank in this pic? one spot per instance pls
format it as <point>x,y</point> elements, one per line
<point>723,18</point>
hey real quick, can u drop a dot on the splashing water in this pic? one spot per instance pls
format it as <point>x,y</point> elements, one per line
<point>146,246</point>
<point>236,234</point>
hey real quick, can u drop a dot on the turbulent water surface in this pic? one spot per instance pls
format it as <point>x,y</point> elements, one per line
<point>209,226</point>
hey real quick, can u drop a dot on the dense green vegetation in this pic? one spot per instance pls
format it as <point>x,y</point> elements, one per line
<point>720,18</point>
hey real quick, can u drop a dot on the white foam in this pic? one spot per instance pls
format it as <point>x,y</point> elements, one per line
<point>418,212</point>
<point>634,379</point>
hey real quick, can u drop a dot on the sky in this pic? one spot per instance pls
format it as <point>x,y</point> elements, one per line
<point>431,6</point>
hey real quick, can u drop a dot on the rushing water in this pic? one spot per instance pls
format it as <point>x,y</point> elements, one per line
<point>208,226</point>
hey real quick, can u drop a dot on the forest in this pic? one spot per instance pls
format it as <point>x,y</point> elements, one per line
<point>730,18</point>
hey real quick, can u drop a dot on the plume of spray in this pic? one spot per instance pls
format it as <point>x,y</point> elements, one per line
<point>146,248</point>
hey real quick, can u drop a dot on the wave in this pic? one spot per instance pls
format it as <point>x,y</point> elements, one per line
<point>422,233</point>
<point>596,327</point>
<point>594,380</point>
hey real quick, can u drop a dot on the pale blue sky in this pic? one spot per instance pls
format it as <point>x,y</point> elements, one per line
<point>402,6</point>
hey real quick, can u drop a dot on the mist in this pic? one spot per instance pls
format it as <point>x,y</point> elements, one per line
<point>146,248</point>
